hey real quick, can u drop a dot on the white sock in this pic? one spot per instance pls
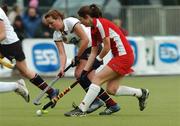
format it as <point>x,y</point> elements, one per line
<point>89,97</point>
<point>128,91</point>
<point>8,86</point>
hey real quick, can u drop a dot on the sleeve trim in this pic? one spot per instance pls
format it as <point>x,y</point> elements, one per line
<point>58,41</point>
<point>74,26</point>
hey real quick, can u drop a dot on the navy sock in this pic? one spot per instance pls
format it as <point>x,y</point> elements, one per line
<point>40,83</point>
<point>85,83</point>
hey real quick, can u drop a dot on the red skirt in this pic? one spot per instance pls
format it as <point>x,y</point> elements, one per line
<point>122,64</point>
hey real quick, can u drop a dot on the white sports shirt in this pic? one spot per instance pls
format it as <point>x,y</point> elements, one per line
<point>11,36</point>
<point>69,24</point>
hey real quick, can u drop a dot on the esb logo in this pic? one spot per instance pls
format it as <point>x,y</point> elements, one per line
<point>168,53</point>
<point>45,57</point>
<point>135,50</point>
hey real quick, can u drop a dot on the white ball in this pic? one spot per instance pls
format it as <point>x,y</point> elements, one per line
<point>39,113</point>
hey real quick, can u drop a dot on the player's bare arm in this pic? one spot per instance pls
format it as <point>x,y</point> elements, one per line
<point>62,54</point>
<point>94,52</point>
<point>78,30</point>
<point>2,31</point>
<point>106,48</point>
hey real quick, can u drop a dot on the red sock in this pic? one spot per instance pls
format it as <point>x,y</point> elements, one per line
<point>110,102</point>
<point>105,97</point>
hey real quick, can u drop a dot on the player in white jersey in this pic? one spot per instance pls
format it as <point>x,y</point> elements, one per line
<point>19,87</point>
<point>11,48</point>
<point>69,30</point>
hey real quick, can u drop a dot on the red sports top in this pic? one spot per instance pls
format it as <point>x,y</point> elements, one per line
<point>104,28</point>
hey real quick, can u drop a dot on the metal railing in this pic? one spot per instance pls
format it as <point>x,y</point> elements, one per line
<point>146,20</point>
<point>152,20</point>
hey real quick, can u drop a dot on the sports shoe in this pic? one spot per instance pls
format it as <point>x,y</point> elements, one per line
<point>22,90</point>
<point>97,103</point>
<point>53,95</point>
<point>143,98</point>
<point>110,110</point>
<point>75,112</point>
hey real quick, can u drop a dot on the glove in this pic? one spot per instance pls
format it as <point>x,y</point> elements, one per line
<point>75,61</point>
<point>74,41</point>
<point>97,64</point>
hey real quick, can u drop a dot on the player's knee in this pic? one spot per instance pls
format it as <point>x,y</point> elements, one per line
<point>77,74</point>
<point>111,89</point>
<point>97,80</point>
<point>27,73</point>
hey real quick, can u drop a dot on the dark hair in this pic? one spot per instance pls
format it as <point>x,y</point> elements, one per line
<point>18,18</point>
<point>5,8</point>
<point>91,10</point>
<point>55,14</point>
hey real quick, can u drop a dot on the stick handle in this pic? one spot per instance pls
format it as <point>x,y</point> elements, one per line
<point>67,68</point>
<point>38,98</point>
<point>54,100</point>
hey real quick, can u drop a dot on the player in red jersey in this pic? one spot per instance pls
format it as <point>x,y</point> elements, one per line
<point>104,31</point>
<point>70,31</point>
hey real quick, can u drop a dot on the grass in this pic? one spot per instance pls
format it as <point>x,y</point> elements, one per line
<point>163,107</point>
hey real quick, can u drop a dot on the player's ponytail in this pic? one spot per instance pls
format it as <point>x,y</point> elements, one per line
<point>91,10</point>
<point>95,11</point>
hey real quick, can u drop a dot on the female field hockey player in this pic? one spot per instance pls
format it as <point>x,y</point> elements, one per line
<point>11,48</point>
<point>103,30</point>
<point>19,87</point>
<point>69,30</point>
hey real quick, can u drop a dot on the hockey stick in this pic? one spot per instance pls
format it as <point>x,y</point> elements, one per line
<point>6,64</point>
<point>60,95</point>
<point>36,101</point>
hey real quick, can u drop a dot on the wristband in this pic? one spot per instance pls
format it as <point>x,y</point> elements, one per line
<point>98,58</point>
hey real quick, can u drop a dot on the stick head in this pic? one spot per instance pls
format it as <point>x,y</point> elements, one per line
<point>5,62</point>
<point>36,103</point>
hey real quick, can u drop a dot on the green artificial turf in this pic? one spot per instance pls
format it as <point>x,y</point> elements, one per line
<point>163,108</point>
